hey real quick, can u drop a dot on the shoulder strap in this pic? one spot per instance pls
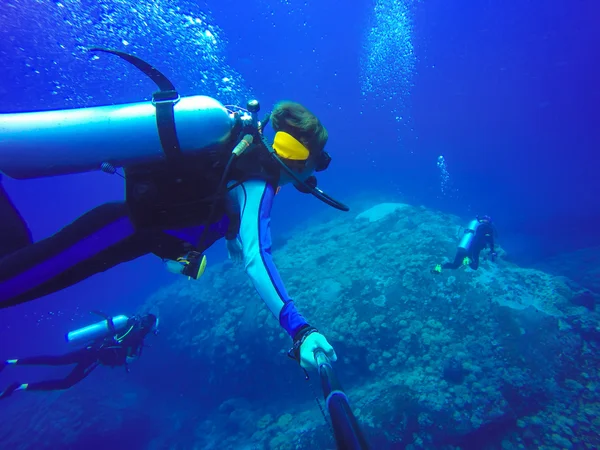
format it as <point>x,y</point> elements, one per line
<point>164,100</point>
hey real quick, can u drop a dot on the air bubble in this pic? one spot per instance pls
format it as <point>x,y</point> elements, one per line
<point>388,61</point>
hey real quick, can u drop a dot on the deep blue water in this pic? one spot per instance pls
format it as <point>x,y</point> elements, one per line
<point>506,91</point>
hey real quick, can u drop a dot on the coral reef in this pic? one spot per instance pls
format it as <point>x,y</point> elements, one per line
<point>428,359</point>
<point>77,418</point>
<point>501,357</point>
<point>581,266</point>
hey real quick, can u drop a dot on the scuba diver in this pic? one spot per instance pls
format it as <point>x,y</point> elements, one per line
<point>115,342</point>
<point>194,171</point>
<point>478,235</point>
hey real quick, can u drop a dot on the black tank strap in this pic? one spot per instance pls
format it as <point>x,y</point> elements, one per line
<point>164,100</point>
<point>111,325</point>
<point>109,320</point>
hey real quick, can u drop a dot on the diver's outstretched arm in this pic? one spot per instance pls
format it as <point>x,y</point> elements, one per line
<point>255,199</point>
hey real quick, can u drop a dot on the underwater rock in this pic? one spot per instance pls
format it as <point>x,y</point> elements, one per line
<point>448,349</point>
<point>581,266</point>
<point>78,418</point>
<point>381,211</point>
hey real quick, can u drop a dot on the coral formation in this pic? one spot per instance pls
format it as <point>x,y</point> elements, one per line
<point>504,355</point>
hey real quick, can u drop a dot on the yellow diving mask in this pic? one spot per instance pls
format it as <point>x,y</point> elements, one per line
<point>287,150</point>
<point>290,148</point>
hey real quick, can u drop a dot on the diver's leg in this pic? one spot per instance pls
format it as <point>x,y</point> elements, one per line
<point>14,232</point>
<point>458,260</point>
<point>77,374</point>
<point>474,264</point>
<point>95,242</point>
<point>11,389</point>
<point>75,357</point>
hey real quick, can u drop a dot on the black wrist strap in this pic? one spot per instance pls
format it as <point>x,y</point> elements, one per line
<point>299,338</point>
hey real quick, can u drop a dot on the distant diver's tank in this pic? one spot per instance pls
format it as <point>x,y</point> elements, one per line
<point>465,242</point>
<point>48,143</point>
<point>97,330</point>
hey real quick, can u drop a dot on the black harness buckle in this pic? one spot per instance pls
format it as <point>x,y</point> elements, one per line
<point>171,96</point>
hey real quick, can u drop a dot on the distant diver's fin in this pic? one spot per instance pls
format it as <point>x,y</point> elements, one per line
<point>164,101</point>
<point>163,83</point>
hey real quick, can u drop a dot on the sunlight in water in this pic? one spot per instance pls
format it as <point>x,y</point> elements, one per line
<point>388,59</point>
<point>180,38</point>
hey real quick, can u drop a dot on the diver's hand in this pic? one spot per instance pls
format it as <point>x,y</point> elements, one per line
<point>312,343</point>
<point>235,251</point>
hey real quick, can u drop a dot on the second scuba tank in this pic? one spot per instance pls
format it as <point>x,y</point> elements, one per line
<point>48,143</point>
<point>97,330</point>
<point>465,242</point>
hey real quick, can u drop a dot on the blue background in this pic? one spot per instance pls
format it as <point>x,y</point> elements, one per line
<point>506,91</point>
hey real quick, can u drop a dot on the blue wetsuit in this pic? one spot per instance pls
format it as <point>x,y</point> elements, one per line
<point>109,235</point>
<point>253,201</point>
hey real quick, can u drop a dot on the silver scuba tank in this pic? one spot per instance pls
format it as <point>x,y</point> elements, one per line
<point>97,330</point>
<point>48,143</point>
<point>465,242</point>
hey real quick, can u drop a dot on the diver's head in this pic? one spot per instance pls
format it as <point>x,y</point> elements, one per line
<point>484,219</point>
<point>300,140</point>
<point>149,324</point>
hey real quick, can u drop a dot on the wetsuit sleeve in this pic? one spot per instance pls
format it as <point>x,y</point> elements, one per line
<point>255,199</point>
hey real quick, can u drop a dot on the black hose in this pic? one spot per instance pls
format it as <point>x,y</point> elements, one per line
<point>213,205</point>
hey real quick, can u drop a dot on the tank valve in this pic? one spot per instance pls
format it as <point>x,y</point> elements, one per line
<point>253,106</point>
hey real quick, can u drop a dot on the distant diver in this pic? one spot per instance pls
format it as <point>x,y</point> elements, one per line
<point>115,342</point>
<point>195,172</point>
<point>478,235</point>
